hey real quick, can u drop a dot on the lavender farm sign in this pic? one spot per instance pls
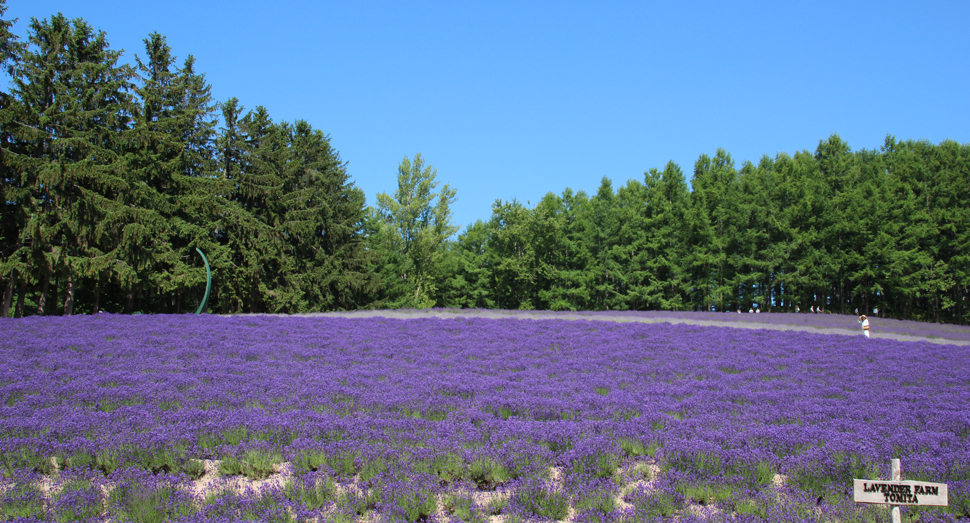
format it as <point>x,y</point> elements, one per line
<point>900,492</point>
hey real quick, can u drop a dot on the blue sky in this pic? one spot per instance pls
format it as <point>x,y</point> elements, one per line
<point>511,100</point>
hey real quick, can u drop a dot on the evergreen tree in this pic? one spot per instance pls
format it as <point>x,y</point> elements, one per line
<point>661,257</point>
<point>603,221</point>
<point>73,114</point>
<point>712,225</point>
<point>468,282</point>
<point>11,192</point>
<point>173,166</point>
<point>954,161</point>
<point>571,286</point>
<point>547,229</point>
<point>511,254</point>
<point>804,277</point>
<point>155,163</point>
<point>252,153</point>
<point>10,48</point>
<point>921,276</point>
<point>555,218</point>
<point>322,223</point>
<point>838,172</point>
<point>869,257</point>
<point>201,193</point>
<point>767,196</point>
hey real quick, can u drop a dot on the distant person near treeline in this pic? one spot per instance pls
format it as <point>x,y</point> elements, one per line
<point>865,325</point>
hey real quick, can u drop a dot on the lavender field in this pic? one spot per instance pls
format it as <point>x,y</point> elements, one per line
<point>262,418</point>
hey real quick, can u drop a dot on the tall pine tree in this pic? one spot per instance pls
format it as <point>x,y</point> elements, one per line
<point>72,119</point>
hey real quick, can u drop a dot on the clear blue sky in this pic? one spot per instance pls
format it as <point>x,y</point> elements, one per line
<point>517,99</point>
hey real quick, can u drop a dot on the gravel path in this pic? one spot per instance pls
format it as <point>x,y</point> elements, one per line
<point>547,315</point>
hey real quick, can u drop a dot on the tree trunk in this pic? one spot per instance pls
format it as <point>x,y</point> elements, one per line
<point>55,286</point>
<point>44,287</point>
<point>97,295</point>
<point>8,294</point>
<point>21,296</point>
<point>69,300</point>
<point>129,301</point>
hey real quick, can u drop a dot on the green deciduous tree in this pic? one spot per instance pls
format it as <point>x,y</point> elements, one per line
<point>416,223</point>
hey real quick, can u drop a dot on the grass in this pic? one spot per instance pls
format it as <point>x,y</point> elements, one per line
<point>487,473</point>
<point>138,501</point>
<point>706,493</point>
<point>458,505</point>
<point>22,500</point>
<point>637,448</point>
<point>541,500</point>
<point>599,465</point>
<point>253,464</point>
<point>313,494</point>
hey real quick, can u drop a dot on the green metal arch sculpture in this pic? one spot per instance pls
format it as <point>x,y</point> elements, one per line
<point>208,283</point>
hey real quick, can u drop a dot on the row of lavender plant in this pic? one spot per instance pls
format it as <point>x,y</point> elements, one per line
<point>418,415</point>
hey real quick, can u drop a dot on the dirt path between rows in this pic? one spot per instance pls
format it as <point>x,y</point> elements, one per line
<point>541,315</point>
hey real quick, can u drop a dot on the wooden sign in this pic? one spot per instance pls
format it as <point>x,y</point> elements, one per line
<point>900,492</point>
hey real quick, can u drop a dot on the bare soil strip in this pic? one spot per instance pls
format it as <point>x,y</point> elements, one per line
<point>545,315</point>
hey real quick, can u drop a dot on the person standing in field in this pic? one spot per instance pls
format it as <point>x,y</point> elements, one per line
<point>865,325</point>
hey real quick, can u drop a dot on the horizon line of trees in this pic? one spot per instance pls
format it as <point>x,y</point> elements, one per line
<point>112,175</point>
<point>835,229</point>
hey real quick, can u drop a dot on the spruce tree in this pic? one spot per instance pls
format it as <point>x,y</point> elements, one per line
<point>251,149</point>
<point>172,163</point>
<point>322,217</point>
<point>12,193</point>
<point>72,118</point>
<point>201,193</point>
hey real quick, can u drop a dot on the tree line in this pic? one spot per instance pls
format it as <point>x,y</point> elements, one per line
<point>834,229</point>
<point>114,174</point>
